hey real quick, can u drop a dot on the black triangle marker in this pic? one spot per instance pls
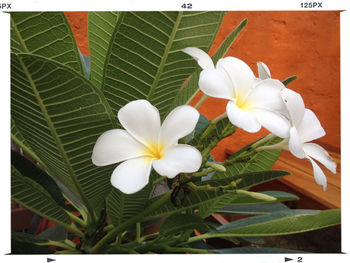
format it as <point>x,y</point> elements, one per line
<point>287,259</point>
<point>50,259</point>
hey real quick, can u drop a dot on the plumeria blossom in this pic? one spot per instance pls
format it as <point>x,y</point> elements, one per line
<point>145,143</point>
<point>253,102</point>
<point>305,127</point>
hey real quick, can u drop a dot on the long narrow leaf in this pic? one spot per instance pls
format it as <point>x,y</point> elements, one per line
<point>100,30</point>
<point>145,60</point>
<point>279,223</point>
<point>47,34</point>
<point>34,197</point>
<point>60,115</point>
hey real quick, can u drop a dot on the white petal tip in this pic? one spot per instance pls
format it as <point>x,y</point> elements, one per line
<point>203,59</point>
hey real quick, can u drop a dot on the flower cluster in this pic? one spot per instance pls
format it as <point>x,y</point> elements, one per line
<point>255,102</point>
<point>252,103</point>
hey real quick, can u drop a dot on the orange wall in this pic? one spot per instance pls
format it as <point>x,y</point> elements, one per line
<point>305,44</point>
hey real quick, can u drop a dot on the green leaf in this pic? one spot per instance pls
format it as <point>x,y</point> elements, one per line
<point>100,30</point>
<point>255,209</point>
<point>121,207</point>
<point>263,160</point>
<point>18,139</point>
<point>27,238</point>
<point>235,205</point>
<point>34,197</point>
<point>30,170</point>
<point>47,34</point>
<point>145,60</point>
<point>289,80</point>
<point>279,223</point>
<point>201,198</point>
<point>190,88</point>
<point>247,180</point>
<point>18,247</point>
<point>181,222</point>
<point>55,233</point>
<point>60,115</point>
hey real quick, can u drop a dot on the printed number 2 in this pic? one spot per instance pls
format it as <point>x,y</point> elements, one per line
<point>300,259</point>
<point>187,6</point>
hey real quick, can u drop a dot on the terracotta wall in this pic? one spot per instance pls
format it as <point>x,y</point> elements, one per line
<point>305,44</point>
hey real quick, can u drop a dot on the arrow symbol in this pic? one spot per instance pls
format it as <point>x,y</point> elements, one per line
<point>50,259</point>
<point>287,259</point>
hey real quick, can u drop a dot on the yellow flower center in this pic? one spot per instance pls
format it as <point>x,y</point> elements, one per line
<point>242,102</point>
<point>154,151</point>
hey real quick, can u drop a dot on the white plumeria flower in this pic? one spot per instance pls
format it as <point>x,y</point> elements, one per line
<point>253,102</point>
<point>145,143</point>
<point>305,127</point>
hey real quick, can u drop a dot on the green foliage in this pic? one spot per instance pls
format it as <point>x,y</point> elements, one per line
<point>60,115</point>
<point>262,160</point>
<point>62,101</point>
<point>182,222</point>
<point>100,30</point>
<point>33,196</point>
<point>121,207</point>
<point>279,223</point>
<point>144,58</point>
<point>46,34</point>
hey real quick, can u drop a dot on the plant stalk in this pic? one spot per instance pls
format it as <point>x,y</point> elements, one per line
<point>133,220</point>
<point>201,100</point>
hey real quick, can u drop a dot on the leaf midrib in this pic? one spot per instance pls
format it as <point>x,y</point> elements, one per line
<point>165,56</point>
<point>57,140</point>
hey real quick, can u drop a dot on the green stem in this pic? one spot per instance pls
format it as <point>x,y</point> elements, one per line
<point>219,118</point>
<point>186,249</point>
<point>133,220</point>
<point>148,236</point>
<point>57,244</point>
<point>79,209</point>
<point>203,173</point>
<point>108,228</point>
<point>158,180</point>
<point>76,231</point>
<point>263,140</point>
<point>201,100</point>
<point>77,219</point>
<point>138,232</point>
<point>197,238</point>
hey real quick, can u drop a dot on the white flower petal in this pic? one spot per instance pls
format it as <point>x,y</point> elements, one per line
<point>263,70</point>
<point>319,176</point>
<point>242,77</point>
<point>132,175</point>
<point>177,159</point>
<point>180,122</point>
<point>115,146</point>
<point>141,120</point>
<point>310,127</point>
<point>203,59</point>
<point>295,144</point>
<point>215,83</point>
<point>242,119</point>
<point>274,122</point>
<point>267,95</point>
<point>317,152</point>
<point>295,105</point>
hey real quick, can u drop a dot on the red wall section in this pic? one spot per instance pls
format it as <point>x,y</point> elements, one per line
<point>305,44</point>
